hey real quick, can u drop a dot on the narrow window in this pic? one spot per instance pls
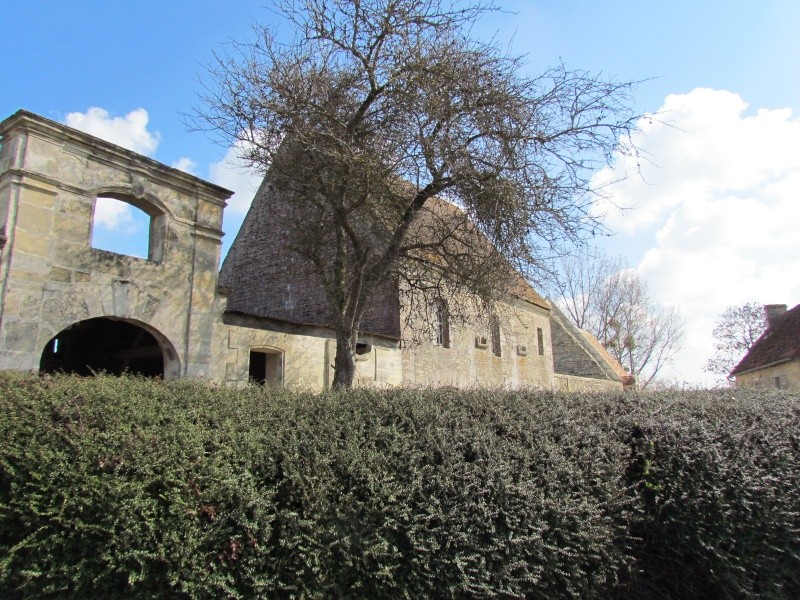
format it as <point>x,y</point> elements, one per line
<point>494,325</point>
<point>540,340</point>
<point>442,324</point>
<point>266,367</point>
<point>778,382</point>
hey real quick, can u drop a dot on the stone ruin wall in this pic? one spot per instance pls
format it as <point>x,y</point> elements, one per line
<point>51,277</point>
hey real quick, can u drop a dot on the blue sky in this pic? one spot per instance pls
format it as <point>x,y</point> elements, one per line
<point>712,221</point>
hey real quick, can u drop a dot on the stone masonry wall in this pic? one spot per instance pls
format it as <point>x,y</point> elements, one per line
<point>468,364</point>
<point>307,353</point>
<point>51,277</point>
<point>787,374</point>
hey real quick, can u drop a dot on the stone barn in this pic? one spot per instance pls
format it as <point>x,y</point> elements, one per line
<point>68,306</point>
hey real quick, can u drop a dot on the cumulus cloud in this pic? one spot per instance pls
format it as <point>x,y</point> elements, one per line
<point>233,174</point>
<point>187,165</point>
<point>114,215</point>
<point>716,204</point>
<point>129,131</point>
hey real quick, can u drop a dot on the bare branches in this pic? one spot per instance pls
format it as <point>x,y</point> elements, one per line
<point>734,334</point>
<point>379,106</point>
<point>604,297</point>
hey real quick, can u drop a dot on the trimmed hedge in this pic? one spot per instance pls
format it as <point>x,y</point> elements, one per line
<point>126,487</point>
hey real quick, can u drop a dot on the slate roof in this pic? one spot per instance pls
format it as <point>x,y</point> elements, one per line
<point>265,279</point>
<point>439,210</point>
<point>595,362</point>
<point>778,344</point>
<point>615,365</point>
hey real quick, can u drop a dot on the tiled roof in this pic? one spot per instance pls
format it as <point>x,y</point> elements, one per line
<point>267,280</point>
<point>778,344</point>
<point>591,361</point>
<point>602,351</point>
<point>439,213</point>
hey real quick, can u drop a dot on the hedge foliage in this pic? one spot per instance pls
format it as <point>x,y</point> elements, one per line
<point>134,488</point>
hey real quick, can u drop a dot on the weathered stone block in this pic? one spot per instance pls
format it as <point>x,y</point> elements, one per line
<point>35,219</point>
<point>20,336</point>
<point>32,244</point>
<point>60,275</point>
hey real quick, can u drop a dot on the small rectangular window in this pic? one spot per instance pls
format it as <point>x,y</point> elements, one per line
<point>778,382</point>
<point>540,340</point>
<point>442,324</point>
<point>363,351</point>
<point>495,331</point>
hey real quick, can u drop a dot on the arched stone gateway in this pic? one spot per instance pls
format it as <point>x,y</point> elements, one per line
<point>110,345</point>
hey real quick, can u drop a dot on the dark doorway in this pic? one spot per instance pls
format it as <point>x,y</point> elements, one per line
<point>102,344</point>
<point>266,367</point>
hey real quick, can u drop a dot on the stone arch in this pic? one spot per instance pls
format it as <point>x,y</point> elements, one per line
<point>135,195</point>
<point>112,345</point>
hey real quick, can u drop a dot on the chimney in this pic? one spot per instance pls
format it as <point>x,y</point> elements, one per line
<point>773,312</point>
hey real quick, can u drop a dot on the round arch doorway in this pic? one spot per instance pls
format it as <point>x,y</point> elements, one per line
<point>105,345</point>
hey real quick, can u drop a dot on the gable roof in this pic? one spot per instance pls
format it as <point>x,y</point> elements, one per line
<point>778,344</point>
<point>440,213</point>
<point>266,279</point>
<point>612,362</point>
<point>595,362</point>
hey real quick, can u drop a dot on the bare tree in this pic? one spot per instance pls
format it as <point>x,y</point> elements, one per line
<point>376,109</point>
<point>734,334</point>
<point>580,283</point>
<point>612,302</point>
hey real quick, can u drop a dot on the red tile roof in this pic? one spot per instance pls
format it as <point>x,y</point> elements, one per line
<point>778,344</point>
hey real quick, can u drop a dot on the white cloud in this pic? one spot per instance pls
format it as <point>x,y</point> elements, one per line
<point>721,196</point>
<point>129,131</point>
<point>187,165</point>
<point>233,174</point>
<point>113,214</point>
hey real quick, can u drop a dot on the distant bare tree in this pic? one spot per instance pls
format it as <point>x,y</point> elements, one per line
<point>580,282</point>
<point>736,331</point>
<point>375,108</point>
<point>610,301</point>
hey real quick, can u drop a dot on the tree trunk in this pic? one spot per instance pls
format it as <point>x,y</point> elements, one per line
<point>344,366</point>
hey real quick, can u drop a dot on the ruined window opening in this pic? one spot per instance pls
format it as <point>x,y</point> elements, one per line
<point>442,324</point>
<point>363,348</point>
<point>494,325</point>
<point>778,382</point>
<point>266,367</point>
<point>127,226</point>
<point>540,340</point>
<point>103,345</point>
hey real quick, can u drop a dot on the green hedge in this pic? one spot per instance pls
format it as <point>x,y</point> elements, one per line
<point>139,489</point>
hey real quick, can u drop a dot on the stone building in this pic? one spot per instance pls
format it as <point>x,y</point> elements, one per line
<point>774,359</point>
<point>579,360</point>
<point>65,305</point>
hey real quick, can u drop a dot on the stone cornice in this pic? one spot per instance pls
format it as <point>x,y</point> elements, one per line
<point>80,143</point>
